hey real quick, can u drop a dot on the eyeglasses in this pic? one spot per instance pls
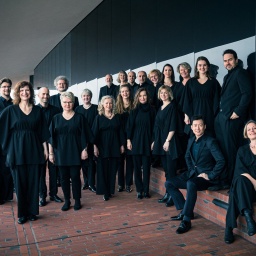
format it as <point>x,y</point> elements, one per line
<point>67,102</point>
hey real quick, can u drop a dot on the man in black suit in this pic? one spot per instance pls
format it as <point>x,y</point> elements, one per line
<point>205,162</point>
<point>142,79</point>
<point>6,181</point>
<point>131,81</point>
<point>235,98</point>
<point>109,88</point>
<point>61,83</point>
<point>49,112</point>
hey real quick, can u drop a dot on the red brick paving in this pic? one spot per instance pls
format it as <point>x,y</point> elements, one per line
<point>121,226</point>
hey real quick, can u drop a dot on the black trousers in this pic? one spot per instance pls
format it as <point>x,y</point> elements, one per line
<point>89,171</point>
<point>192,185</point>
<point>142,177</point>
<point>125,165</point>
<point>73,173</point>
<point>229,136</point>
<point>6,181</point>
<point>170,166</point>
<point>26,180</point>
<point>53,188</point>
<point>241,196</point>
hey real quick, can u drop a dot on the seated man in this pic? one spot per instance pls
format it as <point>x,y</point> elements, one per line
<point>205,162</point>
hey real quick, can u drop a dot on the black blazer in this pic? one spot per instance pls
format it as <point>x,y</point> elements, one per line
<point>113,91</point>
<point>209,160</point>
<point>236,93</point>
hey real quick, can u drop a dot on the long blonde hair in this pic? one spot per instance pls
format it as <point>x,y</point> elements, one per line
<point>101,109</point>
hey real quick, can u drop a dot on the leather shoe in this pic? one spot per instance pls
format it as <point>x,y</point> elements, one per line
<point>93,189</point>
<point>42,202</point>
<point>128,189</point>
<point>147,195</point>
<point>22,220</point>
<point>139,195</point>
<point>120,189</point>
<point>169,202</point>
<point>164,198</point>
<point>85,186</point>
<point>251,226</point>
<point>184,227</point>
<point>180,217</point>
<point>229,236</point>
<point>32,217</point>
<point>77,205</point>
<point>105,197</point>
<point>56,199</point>
<point>66,206</point>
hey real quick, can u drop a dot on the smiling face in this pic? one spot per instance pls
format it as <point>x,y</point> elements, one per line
<point>5,90</point>
<point>108,79</point>
<point>202,67</point>
<point>198,127</point>
<point>143,98</point>
<point>154,78</point>
<point>142,77</point>
<point>43,95</point>
<point>164,95</point>
<point>61,86</point>
<point>131,77</point>
<point>184,72</point>
<point>108,105</point>
<point>167,72</point>
<point>25,93</point>
<point>86,98</point>
<point>251,131</point>
<point>67,104</point>
<point>229,61</point>
<point>125,93</point>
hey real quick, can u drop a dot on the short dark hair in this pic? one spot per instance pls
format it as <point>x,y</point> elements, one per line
<point>198,117</point>
<point>6,80</point>
<point>230,51</point>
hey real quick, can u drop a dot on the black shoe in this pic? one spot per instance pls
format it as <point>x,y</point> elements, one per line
<point>22,220</point>
<point>42,202</point>
<point>120,189</point>
<point>184,227</point>
<point>251,225</point>
<point>66,206</point>
<point>180,217</point>
<point>32,217</point>
<point>169,202</point>
<point>139,195</point>
<point>147,195</point>
<point>85,186</point>
<point>77,205</point>
<point>128,189</point>
<point>105,197</point>
<point>92,188</point>
<point>2,202</point>
<point>56,199</point>
<point>229,236</point>
<point>164,198</point>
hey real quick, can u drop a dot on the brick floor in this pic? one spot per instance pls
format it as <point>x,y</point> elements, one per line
<point>121,226</point>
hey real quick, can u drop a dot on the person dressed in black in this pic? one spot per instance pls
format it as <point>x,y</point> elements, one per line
<point>164,137</point>
<point>6,180</point>
<point>67,147</point>
<point>236,94</point>
<point>89,111</point>
<point>23,136</point>
<point>201,96</point>
<point>109,145</point>
<point>242,192</point>
<point>205,163</point>
<point>139,138</point>
<point>109,88</point>
<point>49,112</point>
<point>123,107</point>
<point>131,80</point>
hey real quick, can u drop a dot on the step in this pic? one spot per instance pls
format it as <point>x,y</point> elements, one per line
<point>205,205</point>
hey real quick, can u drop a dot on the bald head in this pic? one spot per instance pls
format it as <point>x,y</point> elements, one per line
<point>43,95</point>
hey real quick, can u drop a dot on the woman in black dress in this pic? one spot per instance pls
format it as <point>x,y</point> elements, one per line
<point>242,192</point>
<point>108,147</point>
<point>89,111</point>
<point>139,138</point>
<point>123,107</point>
<point>67,147</point>
<point>164,137</point>
<point>201,96</point>
<point>23,135</point>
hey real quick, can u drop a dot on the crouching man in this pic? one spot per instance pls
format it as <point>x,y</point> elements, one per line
<point>205,162</point>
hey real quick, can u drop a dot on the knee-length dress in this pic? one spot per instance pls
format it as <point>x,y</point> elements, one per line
<point>202,99</point>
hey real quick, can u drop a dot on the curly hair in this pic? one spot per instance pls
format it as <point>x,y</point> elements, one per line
<point>120,109</point>
<point>136,98</point>
<point>118,77</point>
<point>101,109</point>
<point>16,93</point>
